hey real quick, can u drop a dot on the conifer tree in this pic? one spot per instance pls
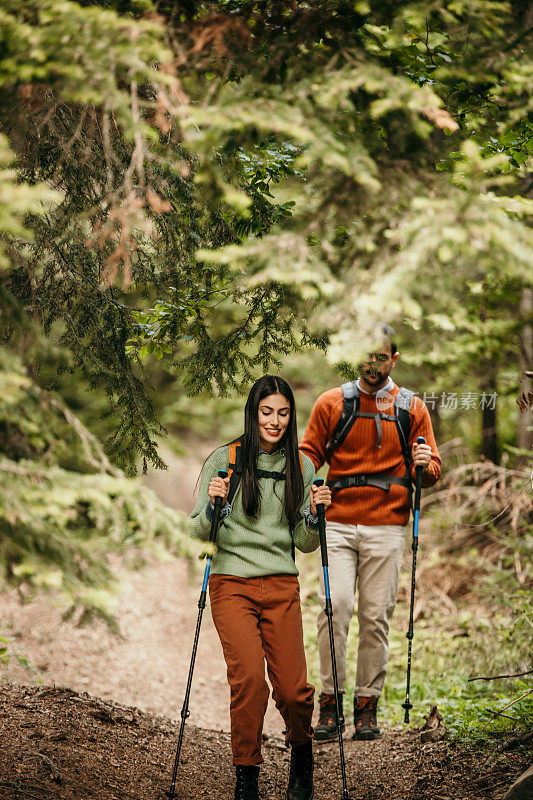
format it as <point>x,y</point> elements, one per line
<point>230,170</point>
<point>65,509</point>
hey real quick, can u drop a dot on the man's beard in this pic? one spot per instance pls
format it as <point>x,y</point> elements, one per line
<point>374,377</point>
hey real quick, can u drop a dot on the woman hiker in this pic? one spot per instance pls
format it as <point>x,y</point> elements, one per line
<point>253,588</point>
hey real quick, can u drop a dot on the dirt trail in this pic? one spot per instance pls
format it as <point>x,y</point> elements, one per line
<point>147,666</point>
<point>58,745</point>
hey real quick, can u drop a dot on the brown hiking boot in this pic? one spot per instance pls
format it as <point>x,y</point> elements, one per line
<point>364,718</point>
<point>326,730</point>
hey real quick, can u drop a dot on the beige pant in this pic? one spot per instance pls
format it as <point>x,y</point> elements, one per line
<point>368,557</point>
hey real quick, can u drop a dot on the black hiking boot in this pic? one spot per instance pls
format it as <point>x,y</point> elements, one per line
<point>246,785</point>
<point>364,718</point>
<point>326,730</point>
<point>301,773</point>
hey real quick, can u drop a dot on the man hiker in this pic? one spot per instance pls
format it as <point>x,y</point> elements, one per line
<point>366,431</point>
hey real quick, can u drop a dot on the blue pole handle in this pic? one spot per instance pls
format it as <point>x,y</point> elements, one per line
<point>206,574</point>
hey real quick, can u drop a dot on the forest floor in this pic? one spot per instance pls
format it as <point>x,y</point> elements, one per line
<point>56,743</point>
<point>96,715</point>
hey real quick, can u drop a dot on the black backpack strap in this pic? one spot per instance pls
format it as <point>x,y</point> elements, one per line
<point>235,473</point>
<point>384,481</point>
<point>235,470</point>
<point>402,405</point>
<point>379,480</point>
<point>350,412</point>
<point>350,408</point>
<point>276,476</point>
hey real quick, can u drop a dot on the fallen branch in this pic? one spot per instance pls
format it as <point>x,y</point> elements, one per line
<point>499,714</point>
<point>508,706</point>
<point>496,677</point>
<point>515,741</point>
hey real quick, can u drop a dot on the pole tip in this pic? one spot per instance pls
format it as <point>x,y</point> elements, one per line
<point>407,705</point>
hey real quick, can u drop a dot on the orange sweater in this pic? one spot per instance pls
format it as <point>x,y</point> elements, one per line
<point>359,453</point>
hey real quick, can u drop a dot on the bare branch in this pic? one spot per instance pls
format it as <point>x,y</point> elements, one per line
<point>512,703</point>
<point>497,677</point>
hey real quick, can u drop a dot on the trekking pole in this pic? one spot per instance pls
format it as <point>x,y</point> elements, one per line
<point>410,632</point>
<point>328,611</point>
<point>201,605</point>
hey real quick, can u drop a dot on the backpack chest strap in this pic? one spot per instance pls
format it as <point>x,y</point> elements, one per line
<point>377,416</point>
<point>265,473</point>
<point>377,480</point>
<point>235,469</point>
<point>235,475</point>
<point>350,412</point>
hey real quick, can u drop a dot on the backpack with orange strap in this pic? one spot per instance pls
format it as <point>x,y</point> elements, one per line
<point>235,473</point>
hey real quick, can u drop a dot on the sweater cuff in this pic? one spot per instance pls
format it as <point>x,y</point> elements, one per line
<point>210,511</point>
<point>311,520</point>
<point>428,475</point>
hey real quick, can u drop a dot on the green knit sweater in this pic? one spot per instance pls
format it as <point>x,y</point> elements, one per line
<point>252,547</point>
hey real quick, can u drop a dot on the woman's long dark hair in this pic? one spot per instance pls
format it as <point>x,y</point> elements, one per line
<point>294,485</point>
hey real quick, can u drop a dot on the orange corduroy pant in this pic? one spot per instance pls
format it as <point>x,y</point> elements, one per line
<point>259,620</point>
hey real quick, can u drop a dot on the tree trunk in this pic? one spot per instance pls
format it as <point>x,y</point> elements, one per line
<point>489,431</point>
<point>523,13</point>
<point>525,361</point>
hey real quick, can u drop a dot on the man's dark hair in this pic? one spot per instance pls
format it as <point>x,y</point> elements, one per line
<point>389,334</point>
